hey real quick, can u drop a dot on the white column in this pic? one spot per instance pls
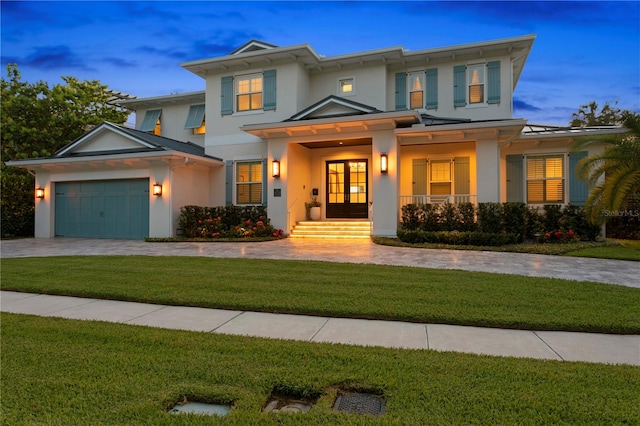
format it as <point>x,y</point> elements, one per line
<point>384,185</point>
<point>488,171</point>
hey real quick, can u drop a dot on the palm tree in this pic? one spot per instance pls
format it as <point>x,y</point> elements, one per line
<point>613,174</point>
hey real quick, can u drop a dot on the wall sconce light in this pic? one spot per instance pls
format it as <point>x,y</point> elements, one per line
<point>157,189</point>
<point>275,168</point>
<point>40,193</point>
<point>384,163</point>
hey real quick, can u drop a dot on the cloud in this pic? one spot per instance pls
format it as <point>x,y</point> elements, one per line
<point>53,57</point>
<point>520,105</point>
<point>120,62</point>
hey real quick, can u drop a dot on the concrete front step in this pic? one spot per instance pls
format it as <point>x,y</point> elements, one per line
<point>332,229</point>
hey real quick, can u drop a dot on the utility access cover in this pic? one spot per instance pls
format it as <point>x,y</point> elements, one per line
<point>201,408</point>
<point>360,403</point>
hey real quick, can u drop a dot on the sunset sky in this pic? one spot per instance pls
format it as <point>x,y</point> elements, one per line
<point>584,51</point>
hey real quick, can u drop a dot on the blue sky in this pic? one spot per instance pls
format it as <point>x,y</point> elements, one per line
<point>584,51</point>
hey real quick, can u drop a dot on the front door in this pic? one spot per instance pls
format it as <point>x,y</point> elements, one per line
<point>347,189</point>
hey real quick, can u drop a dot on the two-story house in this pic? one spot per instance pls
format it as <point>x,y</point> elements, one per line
<point>364,133</point>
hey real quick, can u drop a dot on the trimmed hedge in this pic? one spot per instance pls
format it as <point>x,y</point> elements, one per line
<point>554,224</point>
<point>226,222</point>
<point>457,238</point>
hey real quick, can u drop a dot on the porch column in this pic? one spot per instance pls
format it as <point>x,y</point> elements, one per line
<point>161,220</point>
<point>277,187</point>
<point>488,171</point>
<point>44,207</point>
<point>384,186</point>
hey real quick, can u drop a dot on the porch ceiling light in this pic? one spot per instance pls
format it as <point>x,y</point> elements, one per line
<point>275,168</point>
<point>40,193</point>
<point>157,189</point>
<point>384,163</point>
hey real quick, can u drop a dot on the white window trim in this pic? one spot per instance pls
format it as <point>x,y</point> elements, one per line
<point>353,84</point>
<point>243,159</point>
<point>565,180</point>
<point>236,82</point>
<point>467,76</point>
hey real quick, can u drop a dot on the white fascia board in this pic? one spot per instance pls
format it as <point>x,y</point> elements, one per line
<point>36,162</point>
<point>422,128</point>
<point>188,97</point>
<point>575,132</point>
<point>95,133</point>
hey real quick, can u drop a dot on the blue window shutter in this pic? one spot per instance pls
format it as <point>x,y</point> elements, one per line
<point>462,176</point>
<point>432,88</point>
<point>419,176</point>
<point>515,178</point>
<point>227,95</point>
<point>229,183</point>
<point>269,90</point>
<point>459,86</point>
<point>578,188</point>
<point>493,71</point>
<point>401,91</point>
<point>265,180</point>
<point>150,119</point>
<point>195,117</point>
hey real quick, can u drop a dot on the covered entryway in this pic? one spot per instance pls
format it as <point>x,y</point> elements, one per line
<point>347,189</point>
<point>102,209</point>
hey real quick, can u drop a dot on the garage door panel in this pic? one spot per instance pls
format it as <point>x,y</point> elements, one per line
<point>103,209</point>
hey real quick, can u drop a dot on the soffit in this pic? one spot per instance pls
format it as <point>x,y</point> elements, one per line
<point>160,101</point>
<point>333,125</point>
<point>501,131</point>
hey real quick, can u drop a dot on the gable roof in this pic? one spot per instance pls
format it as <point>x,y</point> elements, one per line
<point>141,142</point>
<point>333,106</point>
<point>253,45</point>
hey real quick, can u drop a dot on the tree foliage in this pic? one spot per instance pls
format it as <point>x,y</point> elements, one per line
<point>35,121</point>
<point>613,174</point>
<point>588,115</point>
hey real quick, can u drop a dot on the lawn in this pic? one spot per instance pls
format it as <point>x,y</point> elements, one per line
<point>621,250</point>
<point>67,372</point>
<point>336,290</point>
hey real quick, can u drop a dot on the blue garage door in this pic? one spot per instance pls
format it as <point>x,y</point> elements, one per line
<point>102,209</point>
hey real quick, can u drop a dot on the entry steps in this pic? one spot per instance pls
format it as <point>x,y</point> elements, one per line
<point>332,229</point>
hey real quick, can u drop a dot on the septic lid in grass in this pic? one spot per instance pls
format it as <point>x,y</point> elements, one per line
<point>201,408</point>
<point>360,403</point>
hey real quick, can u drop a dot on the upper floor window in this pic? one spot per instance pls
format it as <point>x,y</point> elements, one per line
<point>416,90</point>
<point>346,86</point>
<point>249,92</point>
<point>545,179</point>
<point>195,119</point>
<point>476,84</point>
<point>151,122</point>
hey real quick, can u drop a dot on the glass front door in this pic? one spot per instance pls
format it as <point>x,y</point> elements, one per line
<point>347,189</point>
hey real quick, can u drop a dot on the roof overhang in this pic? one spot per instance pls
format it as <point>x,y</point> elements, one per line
<point>114,161</point>
<point>535,132</point>
<point>501,131</point>
<point>159,101</point>
<point>333,125</point>
<point>517,48</point>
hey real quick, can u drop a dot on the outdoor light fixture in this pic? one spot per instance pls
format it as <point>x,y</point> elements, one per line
<point>157,189</point>
<point>275,168</point>
<point>40,192</point>
<point>384,163</point>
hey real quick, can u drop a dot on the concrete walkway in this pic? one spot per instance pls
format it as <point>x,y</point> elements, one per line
<point>589,347</point>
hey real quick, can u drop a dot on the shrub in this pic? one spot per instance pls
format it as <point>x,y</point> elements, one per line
<point>450,217</point>
<point>226,222</point>
<point>514,219</point>
<point>431,218</point>
<point>490,218</point>
<point>468,217</point>
<point>456,238</point>
<point>412,216</point>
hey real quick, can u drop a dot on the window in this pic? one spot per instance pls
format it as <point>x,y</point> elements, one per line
<point>545,179</point>
<point>249,93</point>
<point>440,179</point>
<point>476,84</point>
<point>195,119</point>
<point>151,122</point>
<point>346,86</point>
<point>249,182</point>
<point>416,90</point>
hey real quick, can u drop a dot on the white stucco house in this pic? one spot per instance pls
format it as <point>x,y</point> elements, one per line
<point>364,133</point>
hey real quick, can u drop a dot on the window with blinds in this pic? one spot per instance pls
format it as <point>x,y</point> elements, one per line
<point>440,180</point>
<point>545,179</point>
<point>249,93</point>
<point>249,182</point>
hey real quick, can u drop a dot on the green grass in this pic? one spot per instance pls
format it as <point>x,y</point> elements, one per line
<point>611,249</point>
<point>336,290</point>
<point>620,250</point>
<point>67,372</point>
